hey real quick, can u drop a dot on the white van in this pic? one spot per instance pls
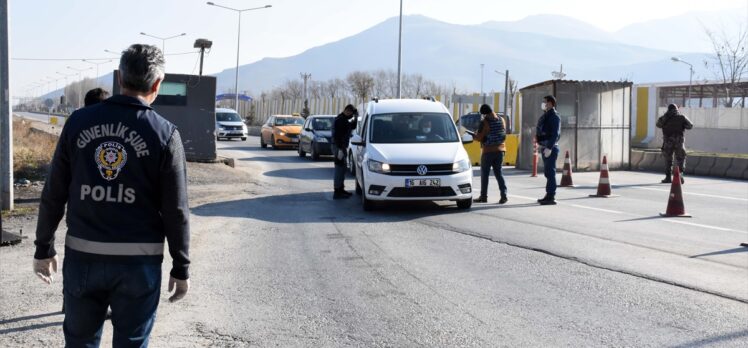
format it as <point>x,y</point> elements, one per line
<point>230,125</point>
<point>410,149</point>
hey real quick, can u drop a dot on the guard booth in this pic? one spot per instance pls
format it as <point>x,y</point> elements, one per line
<point>188,101</point>
<point>595,121</point>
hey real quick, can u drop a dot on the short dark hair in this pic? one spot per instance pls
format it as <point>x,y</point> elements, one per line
<point>485,109</point>
<point>672,107</point>
<point>95,96</point>
<point>550,99</point>
<point>140,67</point>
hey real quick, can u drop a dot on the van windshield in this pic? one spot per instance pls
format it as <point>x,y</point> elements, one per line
<point>227,117</point>
<point>412,128</point>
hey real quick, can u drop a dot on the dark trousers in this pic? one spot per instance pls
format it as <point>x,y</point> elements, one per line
<point>340,168</point>
<point>487,161</point>
<point>674,146</point>
<point>132,291</point>
<point>549,170</point>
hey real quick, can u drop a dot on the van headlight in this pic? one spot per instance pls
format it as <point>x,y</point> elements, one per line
<point>379,167</point>
<point>220,127</point>
<point>461,166</point>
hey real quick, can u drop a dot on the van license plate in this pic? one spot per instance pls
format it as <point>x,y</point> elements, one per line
<point>422,182</point>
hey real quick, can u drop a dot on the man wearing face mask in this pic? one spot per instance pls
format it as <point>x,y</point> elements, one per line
<point>547,133</point>
<point>341,135</point>
<point>492,135</point>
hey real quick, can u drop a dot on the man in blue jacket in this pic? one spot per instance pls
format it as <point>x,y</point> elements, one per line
<point>120,169</point>
<point>547,134</point>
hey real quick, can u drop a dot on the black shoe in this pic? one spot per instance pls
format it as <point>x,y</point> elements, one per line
<point>543,199</point>
<point>346,193</point>
<point>481,199</point>
<point>548,200</point>
<point>503,199</point>
<point>340,194</point>
<point>667,180</point>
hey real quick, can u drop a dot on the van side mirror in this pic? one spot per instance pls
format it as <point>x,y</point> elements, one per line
<point>467,138</point>
<point>356,140</point>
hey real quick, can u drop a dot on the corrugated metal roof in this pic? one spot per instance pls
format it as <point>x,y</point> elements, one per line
<point>586,82</point>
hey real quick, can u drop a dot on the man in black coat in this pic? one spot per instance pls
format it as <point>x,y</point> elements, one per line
<point>341,136</point>
<point>674,125</point>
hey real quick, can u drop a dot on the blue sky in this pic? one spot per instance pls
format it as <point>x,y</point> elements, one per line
<point>85,28</point>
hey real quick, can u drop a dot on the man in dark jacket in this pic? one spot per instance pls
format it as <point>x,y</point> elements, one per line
<point>547,133</point>
<point>674,126</point>
<point>492,135</point>
<point>120,169</point>
<point>341,136</point>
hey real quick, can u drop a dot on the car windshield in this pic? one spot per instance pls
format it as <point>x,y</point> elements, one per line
<point>289,121</point>
<point>228,117</point>
<point>322,123</point>
<point>412,128</point>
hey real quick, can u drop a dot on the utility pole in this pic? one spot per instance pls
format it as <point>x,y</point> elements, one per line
<point>506,93</point>
<point>481,83</point>
<point>306,77</point>
<point>6,114</point>
<point>400,53</point>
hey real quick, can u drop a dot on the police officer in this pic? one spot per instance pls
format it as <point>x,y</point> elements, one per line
<point>492,135</point>
<point>547,133</point>
<point>674,125</point>
<point>341,135</point>
<point>120,169</point>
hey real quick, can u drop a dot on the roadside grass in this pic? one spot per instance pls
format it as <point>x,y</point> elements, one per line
<point>18,211</point>
<point>32,151</point>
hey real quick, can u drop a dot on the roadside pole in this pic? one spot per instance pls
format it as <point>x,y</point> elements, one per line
<point>6,121</point>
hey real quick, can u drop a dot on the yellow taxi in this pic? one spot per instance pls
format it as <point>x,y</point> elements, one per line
<point>281,131</point>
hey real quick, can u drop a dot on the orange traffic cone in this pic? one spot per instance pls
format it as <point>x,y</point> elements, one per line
<point>603,187</point>
<point>566,177</point>
<point>675,207</point>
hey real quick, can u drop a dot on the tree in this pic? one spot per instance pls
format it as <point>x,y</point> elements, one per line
<point>361,84</point>
<point>730,60</point>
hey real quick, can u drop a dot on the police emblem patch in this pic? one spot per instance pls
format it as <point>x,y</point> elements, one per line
<point>110,158</point>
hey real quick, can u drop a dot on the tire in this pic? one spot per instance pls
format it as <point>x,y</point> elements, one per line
<point>272,142</point>
<point>244,138</point>
<point>301,152</point>
<point>366,203</point>
<point>358,188</point>
<point>351,165</point>
<point>313,153</point>
<point>464,203</point>
<point>262,143</point>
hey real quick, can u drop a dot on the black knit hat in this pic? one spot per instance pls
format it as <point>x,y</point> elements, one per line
<point>672,107</point>
<point>485,109</point>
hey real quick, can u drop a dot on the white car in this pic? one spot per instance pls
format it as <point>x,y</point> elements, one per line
<point>230,125</point>
<point>410,149</point>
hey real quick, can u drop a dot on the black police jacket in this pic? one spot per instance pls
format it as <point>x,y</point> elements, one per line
<point>120,168</point>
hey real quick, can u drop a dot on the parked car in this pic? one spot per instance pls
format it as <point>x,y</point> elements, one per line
<point>229,125</point>
<point>316,136</point>
<point>281,131</point>
<point>410,149</point>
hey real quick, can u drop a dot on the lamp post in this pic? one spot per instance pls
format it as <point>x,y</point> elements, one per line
<point>97,67</point>
<point>481,82</point>
<point>163,39</point>
<point>690,77</point>
<point>238,36</point>
<point>80,83</point>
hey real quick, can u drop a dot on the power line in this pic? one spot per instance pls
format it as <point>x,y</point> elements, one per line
<point>79,59</point>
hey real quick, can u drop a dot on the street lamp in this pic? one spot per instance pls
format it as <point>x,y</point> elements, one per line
<point>481,82</point>
<point>97,67</point>
<point>690,78</point>
<point>80,83</point>
<point>163,39</point>
<point>238,36</point>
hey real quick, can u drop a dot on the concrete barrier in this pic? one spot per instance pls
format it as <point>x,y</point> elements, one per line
<point>737,168</point>
<point>705,166</point>
<point>652,162</point>
<point>254,130</point>
<point>720,167</point>
<point>636,158</point>
<point>692,162</point>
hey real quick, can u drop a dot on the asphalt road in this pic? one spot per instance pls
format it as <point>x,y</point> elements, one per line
<point>277,262</point>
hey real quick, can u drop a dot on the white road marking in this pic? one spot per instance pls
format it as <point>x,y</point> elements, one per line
<point>694,194</point>
<point>672,220</point>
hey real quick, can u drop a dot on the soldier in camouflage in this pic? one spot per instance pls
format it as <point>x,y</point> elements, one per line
<point>673,125</point>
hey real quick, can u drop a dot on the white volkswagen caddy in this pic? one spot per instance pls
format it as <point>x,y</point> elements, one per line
<point>410,149</point>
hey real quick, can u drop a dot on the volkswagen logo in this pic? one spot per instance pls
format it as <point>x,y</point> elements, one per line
<point>422,170</point>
